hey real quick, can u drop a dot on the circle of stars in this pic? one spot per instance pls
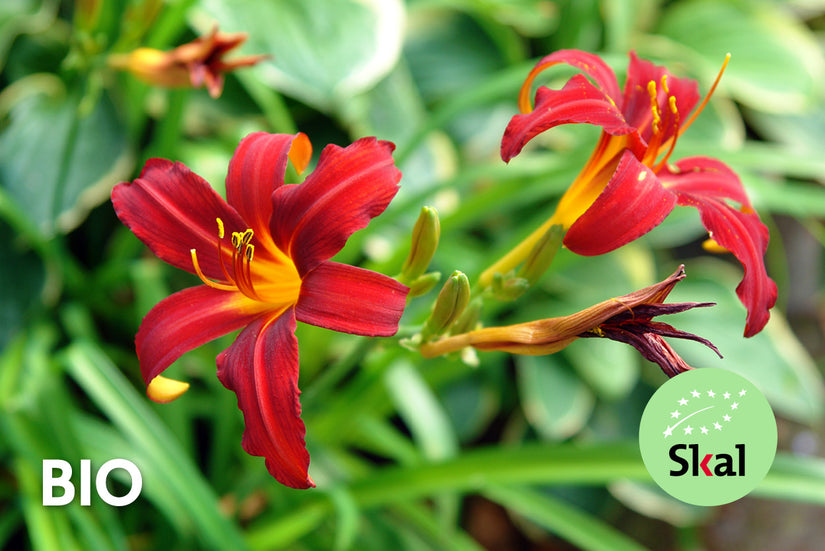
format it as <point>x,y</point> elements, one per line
<point>729,404</point>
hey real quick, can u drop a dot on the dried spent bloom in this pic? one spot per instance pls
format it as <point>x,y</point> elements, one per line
<point>628,186</point>
<point>263,256</point>
<point>627,319</point>
<point>197,63</point>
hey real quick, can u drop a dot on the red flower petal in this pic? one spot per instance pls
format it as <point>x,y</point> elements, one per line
<point>704,176</point>
<point>636,100</point>
<point>256,170</point>
<point>351,300</point>
<point>633,203</point>
<point>591,64</point>
<point>186,320</point>
<point>740,232</point>
<point>350,186</point>
<point>578,102</point>
<point>172,210</point>
<point>261,368</point>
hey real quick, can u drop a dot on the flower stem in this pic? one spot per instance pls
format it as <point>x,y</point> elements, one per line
<point>516,255</point>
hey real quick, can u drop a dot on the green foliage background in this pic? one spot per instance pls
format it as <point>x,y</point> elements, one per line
<point>516,453</point>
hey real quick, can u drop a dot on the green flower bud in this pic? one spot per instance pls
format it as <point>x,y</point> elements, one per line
<point>542,254</point>
<point>469,319</point>
<point>425,235</point>
<point>508,289</point>
<point>451,302</point>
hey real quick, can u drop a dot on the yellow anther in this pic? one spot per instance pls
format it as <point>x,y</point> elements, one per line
<point>165,390</point>
<point>247,236</point>
<point>250,252</point>
<point>711,246</point>
<point>672,102</point>
<point>236,240</point>
<point>654,105</point>
<point>664,84</point>
<point>220,228</point>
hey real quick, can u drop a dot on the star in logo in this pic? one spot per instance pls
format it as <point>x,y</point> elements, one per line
<point>726,417</point>
<point>683,402</point>
<point>695,393</point>
<point>742,392</point>
<point>704,429</point>
<point>711,394</point>
<point>726,395</point>
<point>668,432</point>
<point>675,414</point>
<point>717,426</point>
<point>688,430</point>
<point>734,405</point>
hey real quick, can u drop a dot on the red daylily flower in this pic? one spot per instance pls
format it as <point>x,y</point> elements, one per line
<point>628,187</point>
<point>196,63</point>
<point>263,257</point>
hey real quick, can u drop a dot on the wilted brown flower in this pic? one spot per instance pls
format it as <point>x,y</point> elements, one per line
<point>197,63</point>
<point>627,319</point>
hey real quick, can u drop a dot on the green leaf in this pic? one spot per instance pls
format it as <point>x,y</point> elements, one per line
<point>57,162</point>
<point>796,478</point>
<point>776,64</point>
<point>448,53</point>
<point>802,133</point>
<point>610,368</point>
<point>19,288</point>
<point>556,402</point>
<point>651,501</point>
<point>421,411</point>
<point>23,16</point>
<point>323,51</point>
<point>573,525</point>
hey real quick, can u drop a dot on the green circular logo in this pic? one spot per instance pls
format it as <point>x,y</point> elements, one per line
<point>708,436</point>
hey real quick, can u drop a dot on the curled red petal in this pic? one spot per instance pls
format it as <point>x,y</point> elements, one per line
<point>256,170</point>
<point>705,177</point>
<point>633,203</point>
<point>636,100</point>
<point>313,220</point>
<point>743,234</point>
<point>578,102</point>
<point>261,368</point>
<point>186,320</point>
<point>351,300</point>
<point>591,64</point>
<point>172,210</point>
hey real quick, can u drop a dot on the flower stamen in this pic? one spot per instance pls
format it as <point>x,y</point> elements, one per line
<point>707,97</point>
<point>241,260</point>
<point>242,255</point>
<point>206,280</point>
<point>676,132</point>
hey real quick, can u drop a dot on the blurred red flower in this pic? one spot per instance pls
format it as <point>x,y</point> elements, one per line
<point>196,63</point>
